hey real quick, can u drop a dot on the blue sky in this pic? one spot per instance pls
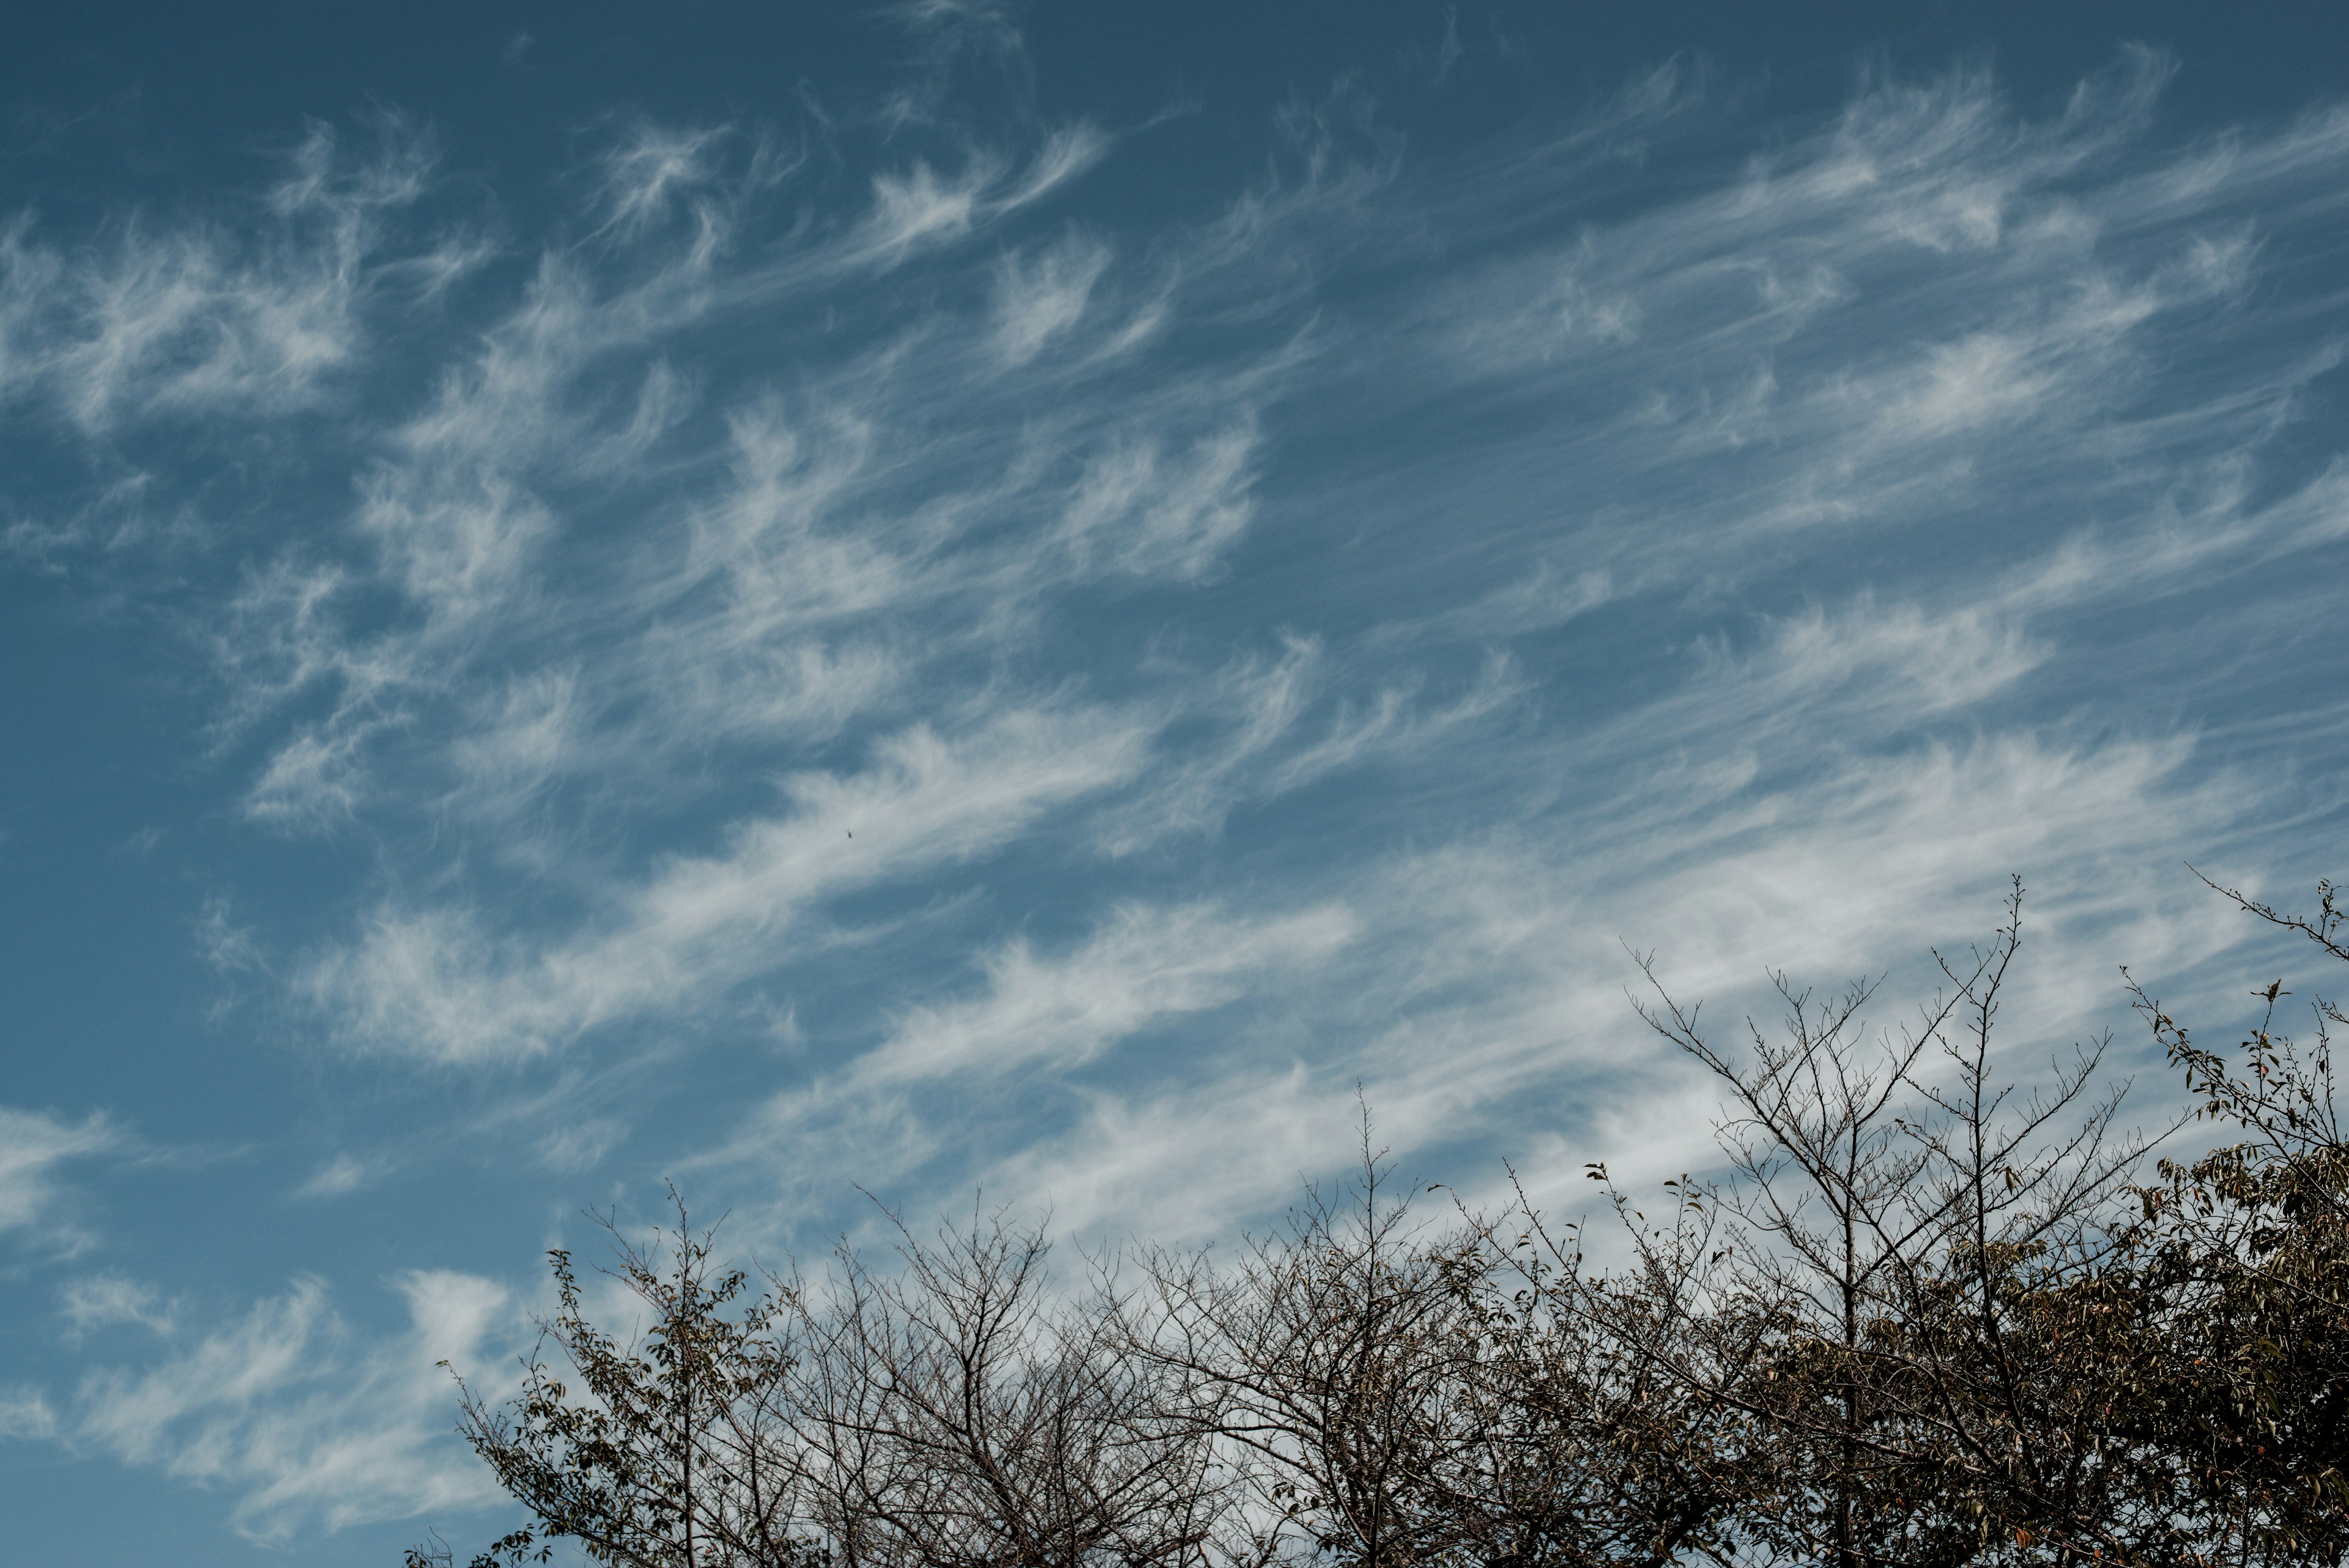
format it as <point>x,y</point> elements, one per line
<point>944,598</point>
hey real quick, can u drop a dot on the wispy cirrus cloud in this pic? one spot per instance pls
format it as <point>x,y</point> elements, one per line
<point>991,687</point>
<point>433,982</point>
<point>1882,331</point>
<point>163,318</point>
<point>311,1431</point>
<point>1022,1043</point>
<point>105,1299</point>
<point>35,1150</point>
<point>1894,321</point>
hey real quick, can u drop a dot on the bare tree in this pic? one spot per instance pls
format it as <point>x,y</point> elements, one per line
<point>1886,1274</point>
<point>953,1413</point>
<point>1403,1391</point>
<point>1923,1318</point>
<point>959,1414</point>
<point>1333,1357</point>
<point>1585,1448</point>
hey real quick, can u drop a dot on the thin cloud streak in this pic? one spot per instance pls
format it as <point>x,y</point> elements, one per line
<point>430,983</point>
<point>310,1436</point>
<point>35,1148</point>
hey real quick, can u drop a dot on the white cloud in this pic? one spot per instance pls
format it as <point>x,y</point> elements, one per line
<point>1865,671</point>
<point>920,205</point>
<point>1059,1013</point>
<point>771,607</point>
<point>919,208</point>
<point>1039,1019</point>
<point>1391,725</point>
<point>26,1413</point>
<point>1922,311</point>
<point>1137,510</point>
<point>102,1301</point>
<point>1039,298</point>
<point>156,321</point>
<point>311,1431</point>
<point>433,984</point>
<point>35,1149</point>
<point>1481,1002</point>
<point>343,1173</point>
<point>644,173</point>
